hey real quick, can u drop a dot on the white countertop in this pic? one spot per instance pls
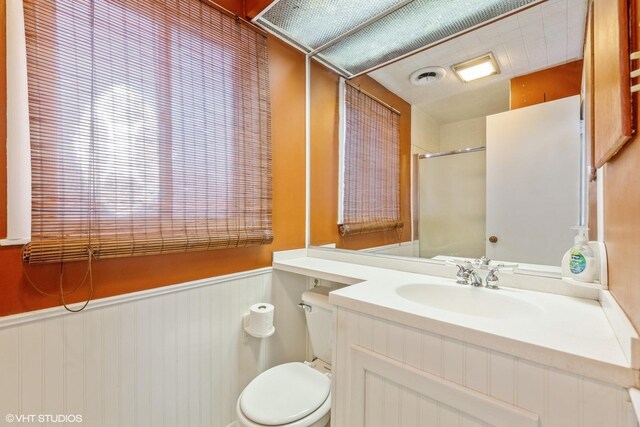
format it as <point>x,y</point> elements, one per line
<point>568,333</point>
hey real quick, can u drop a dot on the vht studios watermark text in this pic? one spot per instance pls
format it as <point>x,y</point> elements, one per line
<point>43,418</point>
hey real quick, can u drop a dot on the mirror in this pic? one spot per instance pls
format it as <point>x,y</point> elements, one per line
<point>468,204</point>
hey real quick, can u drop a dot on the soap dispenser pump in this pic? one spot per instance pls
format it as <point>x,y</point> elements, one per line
<point>579,262</point>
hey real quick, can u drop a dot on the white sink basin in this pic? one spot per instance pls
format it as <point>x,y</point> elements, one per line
<point>469,300</point>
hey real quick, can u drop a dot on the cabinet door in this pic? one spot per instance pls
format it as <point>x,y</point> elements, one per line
<point>531,223</point>
<point>611,78</point>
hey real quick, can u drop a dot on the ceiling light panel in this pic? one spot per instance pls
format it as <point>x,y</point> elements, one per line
<point>413,26</point>
<point>477,71</point>
<point>312,23</point>
<point>390,28</point>
<point>477,68</point>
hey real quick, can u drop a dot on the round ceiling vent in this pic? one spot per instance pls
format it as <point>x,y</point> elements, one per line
<point>427,75</point>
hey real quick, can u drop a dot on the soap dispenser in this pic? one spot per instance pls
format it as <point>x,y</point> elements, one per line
<point>579,262</point>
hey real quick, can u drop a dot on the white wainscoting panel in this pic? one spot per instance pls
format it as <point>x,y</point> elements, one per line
<point>391,386</point>
<point>171,359</point>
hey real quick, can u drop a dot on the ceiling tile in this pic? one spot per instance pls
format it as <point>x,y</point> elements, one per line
<point>515,35</point>
<point>507,25</point>
<point>553,6</point>
<point>530,16</point>
<point>555,19</point>
<point>532,32</point>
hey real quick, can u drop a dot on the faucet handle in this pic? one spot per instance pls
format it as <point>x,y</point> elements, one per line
<point>463,274</point>
<point>492,279</point>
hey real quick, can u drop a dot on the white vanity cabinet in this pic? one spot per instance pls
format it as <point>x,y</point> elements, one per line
<point>388,374</point>
<point>465,356</point>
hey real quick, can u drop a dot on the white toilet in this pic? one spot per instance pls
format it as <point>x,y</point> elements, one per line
<point>295,394</point>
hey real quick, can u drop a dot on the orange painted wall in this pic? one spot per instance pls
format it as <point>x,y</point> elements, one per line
<point>254,7</point>
<point>546,85</point>
<point>324,161</point>
<point>234,6</point>
<point>124,275</point>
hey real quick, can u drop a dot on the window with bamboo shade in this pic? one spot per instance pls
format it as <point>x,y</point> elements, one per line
<point>371,165</point>
<point>150,129</point>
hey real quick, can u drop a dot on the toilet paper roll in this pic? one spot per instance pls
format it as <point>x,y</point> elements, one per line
<point>260,318</point>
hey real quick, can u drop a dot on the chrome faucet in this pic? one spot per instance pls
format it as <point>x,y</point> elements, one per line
<point>467,276</point>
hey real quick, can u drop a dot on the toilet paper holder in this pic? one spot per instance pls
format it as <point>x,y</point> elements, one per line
<point>248,331</point>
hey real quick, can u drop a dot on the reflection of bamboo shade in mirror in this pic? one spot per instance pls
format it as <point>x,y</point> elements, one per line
<point>371,165</point>
<point>149,129</point>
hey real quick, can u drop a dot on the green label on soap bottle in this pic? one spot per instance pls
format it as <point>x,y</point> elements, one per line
<point>577,263</point>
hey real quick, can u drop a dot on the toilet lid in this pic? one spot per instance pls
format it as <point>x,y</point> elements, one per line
<point>284,394</point>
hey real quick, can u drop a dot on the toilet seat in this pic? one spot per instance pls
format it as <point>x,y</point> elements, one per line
<point>288,395</point>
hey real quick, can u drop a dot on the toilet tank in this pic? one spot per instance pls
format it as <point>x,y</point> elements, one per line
<point>320,322</point>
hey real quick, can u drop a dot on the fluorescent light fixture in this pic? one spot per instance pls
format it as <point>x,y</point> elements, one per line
<point>314,23</point>
<point>476,68</point>
<point>355,36</point>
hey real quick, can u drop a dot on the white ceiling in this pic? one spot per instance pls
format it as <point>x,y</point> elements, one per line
<point>543,36</point>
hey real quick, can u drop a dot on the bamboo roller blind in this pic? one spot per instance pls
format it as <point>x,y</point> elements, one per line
<point>150,129</point>
<point>371,165</point>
